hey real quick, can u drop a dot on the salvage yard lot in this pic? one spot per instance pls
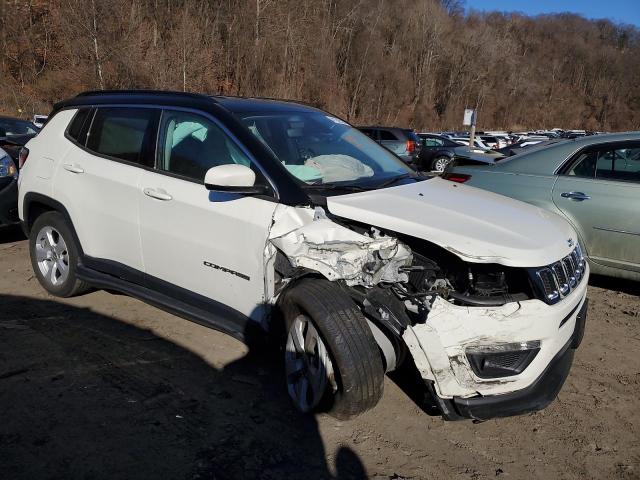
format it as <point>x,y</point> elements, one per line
<point>105,386</point>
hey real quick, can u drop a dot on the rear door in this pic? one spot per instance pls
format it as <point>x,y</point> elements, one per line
<point>97,181</point>
<point>599,192</point>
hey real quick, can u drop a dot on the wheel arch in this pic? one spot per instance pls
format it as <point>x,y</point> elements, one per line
<point>35,204</point>
<point>390,344</point>
<point>444,153</point>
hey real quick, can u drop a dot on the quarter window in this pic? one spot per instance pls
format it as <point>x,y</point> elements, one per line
<point>79,125</point>
<point>123,133</point>
<point>191,144</point>
<point>585,165</point>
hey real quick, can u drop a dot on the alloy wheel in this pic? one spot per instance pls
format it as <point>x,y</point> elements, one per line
<point>440,164</point>
<point>308,367</point>
<point>52,256</point>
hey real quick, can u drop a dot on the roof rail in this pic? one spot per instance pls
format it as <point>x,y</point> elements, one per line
<point>92,93</point>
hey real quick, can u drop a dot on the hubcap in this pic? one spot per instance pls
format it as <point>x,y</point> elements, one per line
<point>52,256</point>
<point>440,164</point>
<point>308,366</point>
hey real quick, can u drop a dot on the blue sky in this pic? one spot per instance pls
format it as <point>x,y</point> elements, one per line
<point>621,11</point>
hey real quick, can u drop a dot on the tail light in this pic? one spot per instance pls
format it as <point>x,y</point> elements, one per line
<point>22,156</point>
<point>456,177</point>
<point>411,146</point>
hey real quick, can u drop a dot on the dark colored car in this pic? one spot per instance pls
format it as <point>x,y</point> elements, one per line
<point>14,133</point>
<point>436,152</point>
<point>404,142</point>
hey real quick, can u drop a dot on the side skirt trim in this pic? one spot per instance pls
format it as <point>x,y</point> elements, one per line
<point>216,316</point>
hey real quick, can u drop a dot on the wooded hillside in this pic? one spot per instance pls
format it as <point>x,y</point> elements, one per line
<point>403,62</point>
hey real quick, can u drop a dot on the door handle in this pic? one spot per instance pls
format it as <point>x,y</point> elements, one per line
<point>73,168</point>
<point>158,194</point>
<point>578,196</point>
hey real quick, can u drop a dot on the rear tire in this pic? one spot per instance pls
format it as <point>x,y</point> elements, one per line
<point>438,164</point>
<point>332,361</point>
<point>55,255</point>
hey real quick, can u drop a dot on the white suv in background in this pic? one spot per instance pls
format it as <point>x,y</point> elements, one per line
<point>249,215</point>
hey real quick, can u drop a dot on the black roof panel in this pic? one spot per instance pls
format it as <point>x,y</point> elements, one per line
<point>185,99</point>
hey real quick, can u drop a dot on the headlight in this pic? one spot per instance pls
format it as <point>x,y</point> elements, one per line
<point>7,167</point>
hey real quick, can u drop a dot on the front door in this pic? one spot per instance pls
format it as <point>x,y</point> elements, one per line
<point>197,242</point>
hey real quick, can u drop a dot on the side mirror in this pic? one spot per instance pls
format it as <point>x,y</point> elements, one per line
<point>233,178</point>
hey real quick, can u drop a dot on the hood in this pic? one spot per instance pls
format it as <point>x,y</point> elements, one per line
<point>476,225</point>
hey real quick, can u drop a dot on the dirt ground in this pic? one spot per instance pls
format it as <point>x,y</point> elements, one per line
<point>105,386</point>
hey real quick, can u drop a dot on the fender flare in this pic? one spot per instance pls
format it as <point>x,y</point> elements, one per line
<point>53,205</point>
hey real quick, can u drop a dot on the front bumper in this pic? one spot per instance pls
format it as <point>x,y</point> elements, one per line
<point>533,398</point>
<point>8,201</point>
<point>439,349</point>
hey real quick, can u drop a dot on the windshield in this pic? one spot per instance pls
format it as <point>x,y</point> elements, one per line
<point>317,148</point>
<point>10,127</point>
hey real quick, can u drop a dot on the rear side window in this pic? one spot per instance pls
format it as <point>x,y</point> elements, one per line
<point>79,125</point>
<point>387,135</point>
<point>124,133</point>
<point>622,163</point>
<point>619,164</point>
<point>368,132</point>
<point>432,142</point>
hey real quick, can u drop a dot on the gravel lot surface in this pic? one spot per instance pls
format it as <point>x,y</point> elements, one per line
<point>105,386</point>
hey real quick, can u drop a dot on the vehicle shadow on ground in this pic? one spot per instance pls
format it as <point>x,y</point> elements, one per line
<point>11,234</point>
<point>616,284</point>
<point>83,395</point>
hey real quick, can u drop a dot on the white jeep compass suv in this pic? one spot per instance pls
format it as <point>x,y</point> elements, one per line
<point>249,215</point>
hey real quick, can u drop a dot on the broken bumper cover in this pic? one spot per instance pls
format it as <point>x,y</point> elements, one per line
<point>533,398</point>
<point>440,349</point>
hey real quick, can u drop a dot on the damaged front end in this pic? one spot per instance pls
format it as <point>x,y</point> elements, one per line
<point>309,240</point>
<point>472,330</point>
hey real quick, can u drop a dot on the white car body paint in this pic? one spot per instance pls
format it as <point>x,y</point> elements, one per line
<point>476,225</point>
<point>226,230</point>
<point>116,220</point>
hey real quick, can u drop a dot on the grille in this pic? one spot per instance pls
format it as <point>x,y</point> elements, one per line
<point>508,360</point>
<point>556,281</point>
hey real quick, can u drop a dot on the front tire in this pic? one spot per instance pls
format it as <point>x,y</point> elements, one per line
<point>54,256</point>
<point>332,361</point>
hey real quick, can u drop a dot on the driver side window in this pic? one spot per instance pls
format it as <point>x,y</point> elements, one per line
<point>191,144</point>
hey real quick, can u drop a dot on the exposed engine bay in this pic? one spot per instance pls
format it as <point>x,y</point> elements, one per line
<point>370,260</point>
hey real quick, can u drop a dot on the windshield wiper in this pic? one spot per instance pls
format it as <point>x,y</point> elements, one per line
<point>334,186</point>
<point>391,181</point>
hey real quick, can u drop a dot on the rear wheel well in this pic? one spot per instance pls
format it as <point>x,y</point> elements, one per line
<point>36,204</point>
<point>34,210</point>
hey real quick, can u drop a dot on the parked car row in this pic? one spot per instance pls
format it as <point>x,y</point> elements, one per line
<point>254,216</point>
